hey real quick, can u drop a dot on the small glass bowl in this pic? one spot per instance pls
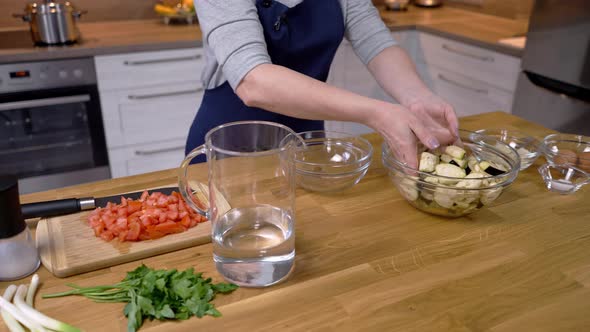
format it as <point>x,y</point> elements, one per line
<point>567,149</point>
<point>327,161</point>
<point>527,147</point>
<point>563,179</point>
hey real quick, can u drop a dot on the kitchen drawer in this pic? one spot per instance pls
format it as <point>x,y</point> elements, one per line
<point>467,95</point>
<point>497,69</point>
<point>132,70</point>
<point>136,116</point>
<point>144,158</point>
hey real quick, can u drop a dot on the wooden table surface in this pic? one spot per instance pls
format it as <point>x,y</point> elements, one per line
<point>368,261</point>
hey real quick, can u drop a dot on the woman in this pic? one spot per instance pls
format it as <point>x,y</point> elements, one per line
<point>269,59</point>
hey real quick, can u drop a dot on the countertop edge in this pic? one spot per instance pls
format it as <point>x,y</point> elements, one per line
<point>498,47</point>
<point>70,53</point>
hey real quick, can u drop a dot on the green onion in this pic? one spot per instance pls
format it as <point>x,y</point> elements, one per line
<point>37,316</point>
<point>8,307</point>
<point>10,321</point>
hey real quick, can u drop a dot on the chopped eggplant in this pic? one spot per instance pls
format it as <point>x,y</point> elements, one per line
<point>490,195</point>
<point>408,189</point>
<point>446,158</point>
<point>451,171</point>
<point>493,170</point>
<point>472,183</point>
<point>427,162</point>
<point>459,162</point>
<point>445,197</point>
<point>455,151</point>
<point>431,179</point>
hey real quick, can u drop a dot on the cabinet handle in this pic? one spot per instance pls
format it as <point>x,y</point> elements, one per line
<point>165,94</point>
<point>468,54</point>
<point>154,61</point>
<point>461,85</point>
<point>156,151</point>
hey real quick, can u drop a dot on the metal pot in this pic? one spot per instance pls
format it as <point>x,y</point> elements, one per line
<point>428,3</point>
<point>397,4</point>
<point>52,22</point>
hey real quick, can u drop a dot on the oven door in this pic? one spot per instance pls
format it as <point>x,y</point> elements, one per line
<point>52,138</point>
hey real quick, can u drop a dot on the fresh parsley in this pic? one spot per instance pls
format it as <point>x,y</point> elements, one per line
<point>157,294</point>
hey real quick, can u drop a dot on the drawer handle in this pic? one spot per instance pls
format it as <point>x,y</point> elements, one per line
<point>156,151</point>
<point>461,85</point>
<point>165,94</point>
<point>154,61</point>
<point>468,54</point>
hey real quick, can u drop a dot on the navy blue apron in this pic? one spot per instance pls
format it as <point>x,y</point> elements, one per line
<point>303,38</point>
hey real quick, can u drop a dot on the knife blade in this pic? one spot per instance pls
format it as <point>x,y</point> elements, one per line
<point>73,205</point>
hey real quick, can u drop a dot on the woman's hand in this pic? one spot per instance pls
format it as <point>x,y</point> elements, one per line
<point>402,129</point>
<point>436,115</point>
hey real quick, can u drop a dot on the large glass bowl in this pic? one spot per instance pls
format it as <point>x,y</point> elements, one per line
<point>440,195</point>
<point>525,145</point>
<point>327,161</point>
<point>561,149</point>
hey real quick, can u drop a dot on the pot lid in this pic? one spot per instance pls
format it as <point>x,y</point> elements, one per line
<point>49,6</point>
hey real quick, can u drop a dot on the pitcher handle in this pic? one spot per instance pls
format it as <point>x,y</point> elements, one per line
<point>183,185</point>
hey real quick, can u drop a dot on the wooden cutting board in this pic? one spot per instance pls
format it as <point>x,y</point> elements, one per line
<point>68,246</point>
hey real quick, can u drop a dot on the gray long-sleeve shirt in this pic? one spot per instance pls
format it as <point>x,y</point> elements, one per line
<point>233,37</point>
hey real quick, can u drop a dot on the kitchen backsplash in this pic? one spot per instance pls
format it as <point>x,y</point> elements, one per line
<point>102,10</point>
<point>112,10</point>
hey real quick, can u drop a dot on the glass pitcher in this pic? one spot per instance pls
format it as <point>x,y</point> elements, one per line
<point>251,195</point>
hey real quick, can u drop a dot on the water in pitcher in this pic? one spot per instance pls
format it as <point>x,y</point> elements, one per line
<point>254,246</point>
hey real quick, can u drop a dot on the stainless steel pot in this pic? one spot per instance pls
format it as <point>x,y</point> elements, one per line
<point>428,3</point>
<point>52,22</point>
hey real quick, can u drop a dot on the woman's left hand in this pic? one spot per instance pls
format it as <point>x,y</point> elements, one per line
<point>437,116</point>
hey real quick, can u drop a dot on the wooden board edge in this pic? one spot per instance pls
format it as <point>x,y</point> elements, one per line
<point>97,265</point>
<point>43,243</point>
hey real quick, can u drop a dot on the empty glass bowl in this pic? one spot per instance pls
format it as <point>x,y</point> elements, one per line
<point>525,145</point>
<point>567,149</point>
<point>328,161</point>
<point>563,179</point>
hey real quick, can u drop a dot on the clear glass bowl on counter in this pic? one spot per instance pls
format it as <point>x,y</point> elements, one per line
<point>440,195</point>
<point>327,161</point>
<point>560,149</point>
<point>563,179</point>
<point>527,147</point>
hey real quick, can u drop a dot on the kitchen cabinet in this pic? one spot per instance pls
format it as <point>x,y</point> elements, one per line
<point>148,102</point>
<point>474,80</point>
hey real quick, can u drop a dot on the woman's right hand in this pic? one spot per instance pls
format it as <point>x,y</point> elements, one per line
<point>402,129</point>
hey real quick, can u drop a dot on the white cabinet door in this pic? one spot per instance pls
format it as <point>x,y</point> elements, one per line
<point>467,95</point>
<point>499,70</point>
<point>136,116</point>
<point>143,158</point>
<point>133,70</point>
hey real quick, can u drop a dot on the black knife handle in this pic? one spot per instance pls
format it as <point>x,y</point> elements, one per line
<point>51,208</point>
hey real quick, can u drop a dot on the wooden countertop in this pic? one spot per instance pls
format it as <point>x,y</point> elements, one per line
<point>368,261</point>
<point>151,35</point>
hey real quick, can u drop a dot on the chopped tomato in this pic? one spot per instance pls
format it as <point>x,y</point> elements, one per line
<point>150,217</point>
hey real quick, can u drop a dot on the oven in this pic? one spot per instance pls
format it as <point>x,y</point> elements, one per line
<point>51,128</point>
